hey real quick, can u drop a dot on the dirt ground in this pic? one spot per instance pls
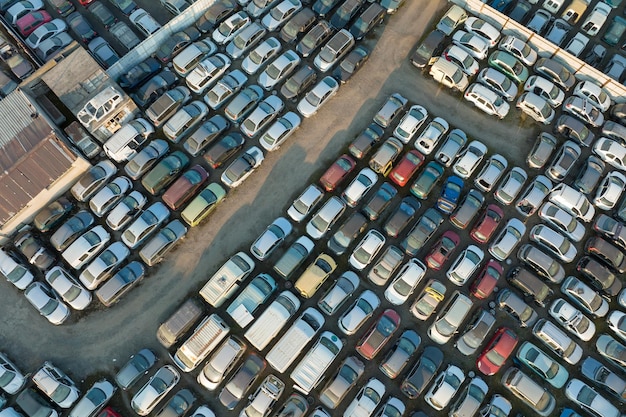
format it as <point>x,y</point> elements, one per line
<point>105,337</point>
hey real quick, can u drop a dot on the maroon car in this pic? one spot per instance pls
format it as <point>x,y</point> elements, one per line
<point>483,285</point>
<point>185,187</point>
<point>379,334</point>
<point>406,168</point>
<point>442,249</point>
<point>337,172</point>
<point>500,347</point>
<point>487,224</point>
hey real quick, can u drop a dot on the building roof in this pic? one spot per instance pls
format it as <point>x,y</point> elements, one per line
<point>32,157</point>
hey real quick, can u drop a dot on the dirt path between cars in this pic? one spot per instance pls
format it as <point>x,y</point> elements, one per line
<point>96,341</point>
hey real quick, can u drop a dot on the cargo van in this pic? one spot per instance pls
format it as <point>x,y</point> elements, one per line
<point>226,280</point>
<point>574,11</point>
<point>180,322</point>
<point>558,342</point>
<point>267,326</point>
<point>530,285</point>
<point>309,372</point>
<point>530,392</point>
<point>209,333</point>
<point>248,301</point>
<point>221,363</point>
<point>124,143</point>
<point>572,201</point>
<point>301,332</point>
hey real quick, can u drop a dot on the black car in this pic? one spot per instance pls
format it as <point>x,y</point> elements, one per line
<point>379,201</point>
<point>423,372</point>
<point>323,7</point>
<point>298,83</point>
<point>366,140</point>
<point>176,43</point>
<point>372,16</point>
<point>33,250</point>
<point>429,49</point>
<point>297,25</point>
<point>574,129</point>
<point>351,63</point>
<point>81,27</point>
<point>521,11</point>
<point>52,214</point>
<point>347,232</point>
<point>599,276</point>
<point>402,216</point>
<point>215,14</point>
<point>223,150</point>
<point>314,38</point>
<point>139,73</point>
<point>154,88</point>
<point>345,13</point>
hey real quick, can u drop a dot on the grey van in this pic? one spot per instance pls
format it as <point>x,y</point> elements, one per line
<point>530,285</point>
<point>180,322</point>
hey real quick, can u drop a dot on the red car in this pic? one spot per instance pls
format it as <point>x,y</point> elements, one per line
<point>85,2</point>
<point>372,342</point>
<point>28,23</point>
<point>407,167</point>
<point>487,279</point>
<point>337,172</point>
<point>500,347</point>
<point>442,249</point>
<point>109,412</point>
<point>487,224</point>
<point>185,187</point>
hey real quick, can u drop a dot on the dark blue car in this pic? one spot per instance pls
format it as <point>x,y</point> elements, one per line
<point>450,194</point>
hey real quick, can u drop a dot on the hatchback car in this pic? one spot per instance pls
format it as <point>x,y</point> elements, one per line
<point>486,100</point>
<point>428,300</point>
<point>227,86</point>
<point>325,217</point>
<point>379,334</point>
<point>610,190</point>
<point>427,180</point>
<point>518,48</point>
<point>554,242</point>
<point>532,198</point>
<point>359,187</point>
<point>445,387</point>
<point>441,250</point>
<point>536,107</point>
<point>94,179</point>
<point>422,231</point>
<point>497,351</point>
<point>386,265</point>
<point>138,365</point>
<point>341,290</point>
<point>326,88</point>
<point>380,201</point>
<point>70,290</point>
<point>513,305</point>
<point>145,224</point>
<point>450,194</point>
<point>271,238</point>
<point>422,372</point>
<point>359,312</point>
<point>498,82</point>
<point>469,159</point>
<point>405,282</point>
<point>563,161</point>
<point>410,123</point>
<point>305,203</point>
<point>469,207</point>
<point>487,224</point>
<point>509,65</point>
<point>96,397</point>
<point>584,110</point>
<point>52,214</point>
<point>402,215</point>
<point>40,296</point>
<point>611,229</point>
<point>486,281</point>
<point>85,247</point>
<point>279,69</point>
<point>589,400</point>
<point>594,94</point>
<point>572,319</point>
<point>542,364</point>
<point>367,399</point>
<point>585,297</point>
<point>399,355</point>
<point>12,378</point>
<point>555,72</point>
<point>601,375</point>
<point>465,265</point>
<point>163,242</point>
<point>104,265</point>
<point>241,381</point>
<point>243,103</point>
<point>366,250</point>
<point>242,167</point>
<point>508,238</point>
<point>462,58</point>
<point>540,153</point>
<point>338,386</point>
<point>476,332</point>
<point>474,44</point>
<point>157,387</point>
<point>56,384</point>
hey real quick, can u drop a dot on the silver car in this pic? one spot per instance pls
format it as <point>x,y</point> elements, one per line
<point>498,82</point>
<point>68,288</point>
<point>449,150</point>
<point>86,247</point>
<point>120,283</point>
<point>12,380</point>
<point>154,251</point>
<point>161,383</point>
<point>94,179</point>
<point>146,158</point>
<point>70,230</point>
<point>108,196</point>
<point>126,210</point>
<point>46,302</point>
<point>147,222</point>
<point>94,399</point>
<point>280,68</point>
<point>344,380</point>
<point>53,382</point>
<point>264,113</point>
<point>103,266</point>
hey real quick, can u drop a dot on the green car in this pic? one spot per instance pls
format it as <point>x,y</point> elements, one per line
<point>165,172</point>
<point>204,203</point>
<point>509,65</point>
<point>427,180</point>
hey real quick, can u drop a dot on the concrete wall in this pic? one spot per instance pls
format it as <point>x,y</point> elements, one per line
<point>150,44</point>
<point>547,49</point>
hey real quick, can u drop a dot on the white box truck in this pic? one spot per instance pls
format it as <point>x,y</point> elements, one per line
<point>310,371</point>
<point>267,326</point>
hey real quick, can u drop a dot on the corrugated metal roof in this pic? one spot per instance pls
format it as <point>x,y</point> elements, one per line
<point>32,157</point>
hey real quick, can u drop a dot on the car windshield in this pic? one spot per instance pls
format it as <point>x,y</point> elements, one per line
<point>348,374</point>
<point>60,393</point>
<point>494,357</point>
<point>371,394</point>
<point>586,395</point>
<point>92,238</point>
<point>49,307</point>
<point>96,396</point>
<point>385,326</point>
<point>402,287</point>
<point>108,257</point>
<point>364,306</point>
<point>313,98</point>
<point>256,57</point>
<point>273,71</point>
<point>452,380</point>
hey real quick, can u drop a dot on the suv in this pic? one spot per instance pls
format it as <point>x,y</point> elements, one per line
<point>429,49</point>
<point>56,385</point>
<point>531,393</point>
<point>334,50</point>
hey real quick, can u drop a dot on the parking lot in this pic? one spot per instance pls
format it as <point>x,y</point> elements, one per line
<point>98,343</point>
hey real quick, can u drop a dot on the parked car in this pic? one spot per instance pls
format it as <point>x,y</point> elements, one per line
<point>512,304</point>
<point>400,354</point>
<point>445,387</point>
<point>542,364</point>
<point>70,290</point>
<point>153,391</point>
<point>541,151</point>
<point>56,385</point>
<point>359,312</point>
<point>242,167</point>
<point>475,332</point>
<point>379,334</point>
<point>367,399</point>
<point>422,372</point>
<point>48,304</point>
<point>346,377</point>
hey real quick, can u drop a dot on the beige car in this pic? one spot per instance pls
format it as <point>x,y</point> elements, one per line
<point>449,74</point>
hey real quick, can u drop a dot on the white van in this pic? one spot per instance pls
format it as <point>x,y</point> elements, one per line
<point>572,201</point>
<point>209,333</point>
<point>309,372</point>
<point>226,280</point>
<point>124,143</point>
<point>287,349</point>
<point>559,342</point>
<point>267,326</point>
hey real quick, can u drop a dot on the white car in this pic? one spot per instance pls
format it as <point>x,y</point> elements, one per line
<point>108,196</point>
<point>280,68</point>
<point>617,323</point>
<point>451,147</point>
<point>610,190</point>
<point>21,8</point>
<point>555,242</point>
<point>68,288</point>
<point>366,250</point>
<point>584,110</point>
<point>46,302</point>
<point>83,249</point>
<point>469,159</point>
<point>483,29</point>
<point>226,87</point>
<point>207,72</point>
<point>498,83</point>
<point>562,221</point>
<point>279,131</point>
<point>146,224</point>
<point>341,290</point>
<point>157,387</point>
<point>588,399</point>
<point>405,282</point>
<point>596,19</point>
<point>144,22</point>
<point>593,93</point>
<point>572,319</point>
<point>366,400</point>
<point>611,152</point>
<point>498,406</point>
<point>519,49</point>
<point>487,101</point>
<point>465,265</point>
<point>57,386</point>
<point>46,31</point>
<point>280,13</point>
<point>508,238</point>
<point>491,172</point>
<point>445,387</point>
<point>474,44</point>
<point>264,113</point>
<point>317,96</point>
<point>360,311</point>
<point>536,107</point>
<point>431,135</point>
<point>533,196</point>
<point>305,203</point>
<point>101,268</point>
<point>126,210</point>
<point>545,89</point>
<point>410,123</point>
<point>94,399</point>
<point>271,238</point>
<point>462,58</point>
<point>585,297</point>
<point>230,27</point>
<point>12,379</point>
<point>260,55</point>
<point>360,185</point>
<point>511,185</point>
<point>242,167</point>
